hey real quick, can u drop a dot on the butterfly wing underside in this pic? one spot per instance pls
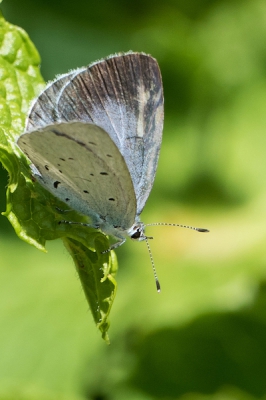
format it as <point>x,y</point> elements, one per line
<point>122,94</point>
<point>79,163</point>
<point>43,109</point>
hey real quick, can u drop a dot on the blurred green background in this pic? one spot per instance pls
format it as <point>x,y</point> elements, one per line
<point>204,336</point>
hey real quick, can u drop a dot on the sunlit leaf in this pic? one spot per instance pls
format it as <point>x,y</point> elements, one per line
<point>34,213</point>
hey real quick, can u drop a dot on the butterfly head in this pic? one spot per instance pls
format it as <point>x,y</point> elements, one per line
<point>137,232</point>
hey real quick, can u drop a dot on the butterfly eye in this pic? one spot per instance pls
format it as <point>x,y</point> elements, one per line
<point>136,234</point>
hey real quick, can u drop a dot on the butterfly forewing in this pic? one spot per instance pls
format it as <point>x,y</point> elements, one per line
<point>123,94</point>
<point>44,109</point>
<point>79,163</point>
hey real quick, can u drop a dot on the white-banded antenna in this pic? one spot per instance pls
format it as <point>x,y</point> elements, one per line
<point>158,286</point>
<point>180,226</point>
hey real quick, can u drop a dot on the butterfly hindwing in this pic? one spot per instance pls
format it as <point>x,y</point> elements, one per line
<point>79,163</point>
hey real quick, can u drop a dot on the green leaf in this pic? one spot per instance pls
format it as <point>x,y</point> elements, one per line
<point>35,213</point>
<point>97,282</point>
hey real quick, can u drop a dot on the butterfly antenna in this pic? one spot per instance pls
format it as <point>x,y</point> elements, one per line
<point>180,226</point>
<point>158,286</point>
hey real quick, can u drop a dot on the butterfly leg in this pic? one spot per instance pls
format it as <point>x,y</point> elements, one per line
<point>61,211</point>
<point>79,223</point>
<point>114,246</point>
<point>95,226</point>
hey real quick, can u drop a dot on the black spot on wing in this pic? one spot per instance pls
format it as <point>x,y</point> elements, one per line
<point>56,183</point>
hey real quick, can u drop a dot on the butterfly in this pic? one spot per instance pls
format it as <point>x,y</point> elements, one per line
<point>94,136</point>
